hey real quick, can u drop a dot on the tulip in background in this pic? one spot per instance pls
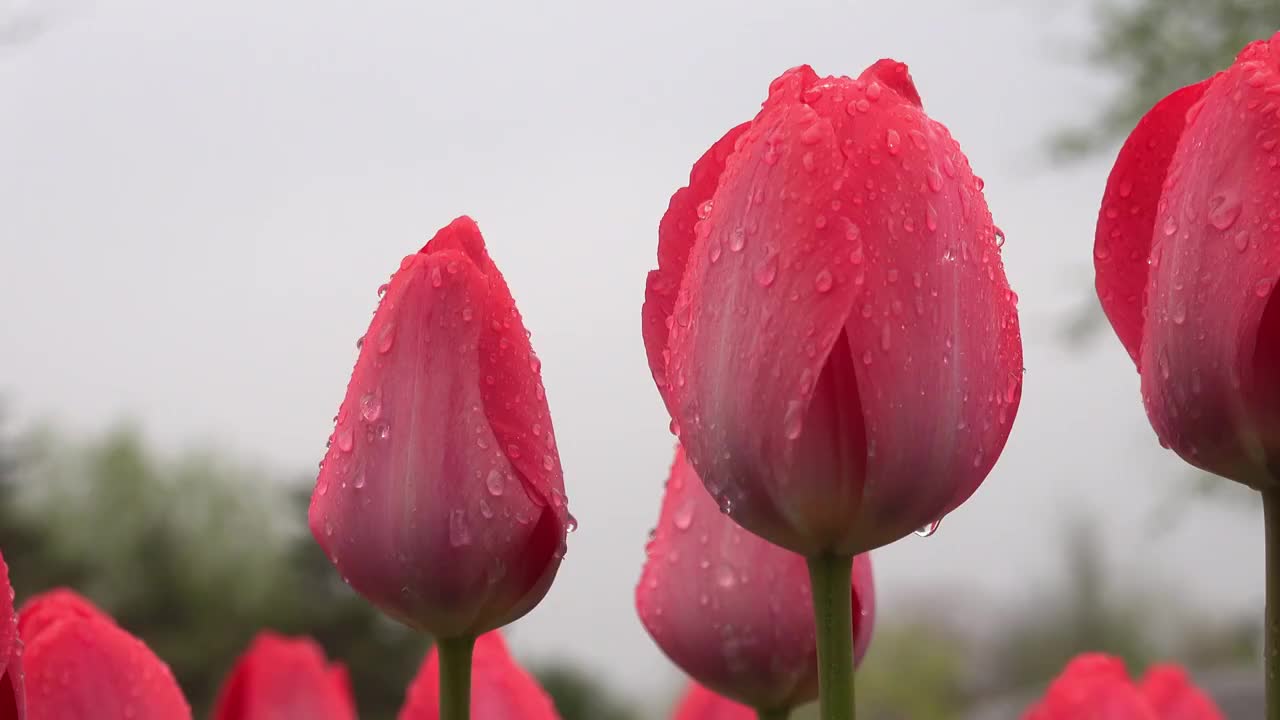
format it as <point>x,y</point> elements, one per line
<point>733,610</point>
<point>79,664</point>
<point>700,703</point>
<point>280,678</point>
<point>13,705</point>
<point>1098,687</point>
<point>1187,255</point>
<point>500,689</point>
<point>831,328</point>
<point>441,498</point>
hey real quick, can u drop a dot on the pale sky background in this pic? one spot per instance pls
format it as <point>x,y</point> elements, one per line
<point>199,199</point>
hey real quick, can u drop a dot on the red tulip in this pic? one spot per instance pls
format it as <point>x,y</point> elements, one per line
<point>700,703</point>
<point>829,323</point>
<point>441,498</point>
<point>732,610</point>
<point>1098,687</point>
<point>1187,255</point>
<point>500,689</point>
<point>282,678</point>
<point>80,664</point>
<point>13,704</point>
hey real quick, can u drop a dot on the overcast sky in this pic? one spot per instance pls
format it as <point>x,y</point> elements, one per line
<point>199,199</point>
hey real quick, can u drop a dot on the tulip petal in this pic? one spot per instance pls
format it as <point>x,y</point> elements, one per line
<point>1208,371</point>
<point>676,237</point>
<point>500,688</point>
<point>281,678</point>
<point>12,688</point>
<point>80,664</point>
<point>422,502</point>
<point>699,703</point>
<point>1126,222</point>
<point>1093,686</point>
<point>731,609</point>
<point>870,232</point>
<point>1172,696</point>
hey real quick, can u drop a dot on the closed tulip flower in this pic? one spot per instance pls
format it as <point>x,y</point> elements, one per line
<point>441,498</point>
<point>1098,687</point>
<point>500,689</point>
<point>1187,255</point>
<point>79,664</point>
<point>282,678</point>
<point>700,703</point>
<point>830,325</point>
<point>13,705</point>
<point>732,610</point>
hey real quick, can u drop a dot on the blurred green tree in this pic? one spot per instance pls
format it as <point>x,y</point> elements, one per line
<point>1155,47</point>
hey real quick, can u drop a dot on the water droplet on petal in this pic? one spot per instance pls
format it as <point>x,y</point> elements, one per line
<point>386,337</point>
<point>495,483</point>
<point>793,420</point>
<point>371,406</point>
<point>1224,209</point>
<point>929,529</point>
<point>459,533</point>
<point>346,439</point>
<point>1263,287</point>
<point>737,239</point>
<point>683,517</point>
<point>893,141</point>
<point>725,577</point>
<point>823,281</point>
<point>359,480</point>
<point>571,523</point>
<point>767,272</point>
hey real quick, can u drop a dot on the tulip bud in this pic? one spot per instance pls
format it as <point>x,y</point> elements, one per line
<point>733,611</point>
<point>500,689</point>
<point>441,498</point>
<point>1097,686</point>
<point>282,678</point>
<point>79,664</point>
<point>1187,256</point>
<point>829,324</point>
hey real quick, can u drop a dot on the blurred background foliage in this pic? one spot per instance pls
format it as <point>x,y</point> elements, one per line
<point>196,553</point>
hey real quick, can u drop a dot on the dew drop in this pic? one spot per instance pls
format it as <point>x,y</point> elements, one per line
<point>371,406</point>
<point>929,529</point>
<point>495,483</point>
<point>683,517</point>
<point>725,578</point>
<point>793,420</point>
<point>893,141</point>
<point>459,533</point>
<point>359,480</point>
<point>1263,287</point>
<point>386,337</point>
<point>823,281</point>
<point>767,272</point>
<point>346,439</point>
<point>571,523</point>
<point>737,239</point>
<point>1224,210</point>
<point>436,279</point>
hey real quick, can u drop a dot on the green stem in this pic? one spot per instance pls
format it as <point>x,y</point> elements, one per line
<point>1271,521</point>
<point>782,714</point>
<point>831,578</point>
<point>455,677</point>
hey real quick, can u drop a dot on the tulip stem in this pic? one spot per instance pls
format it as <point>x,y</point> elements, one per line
<point>831,579</point>
<point>782,714</point>
<point>1271,522</point>
<point>455,677</point>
